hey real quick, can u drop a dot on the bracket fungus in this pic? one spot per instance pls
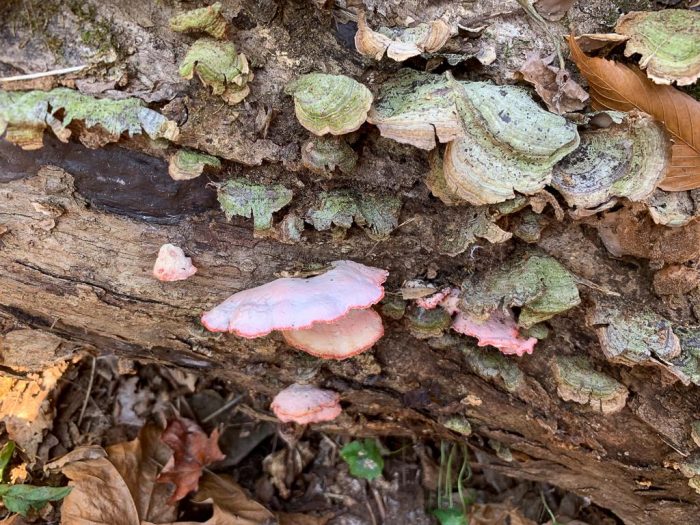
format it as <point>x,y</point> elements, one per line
<point>295,303</point>
<point>24,115</point>
<point>334,104</point>
<point>579,382</point>
<point>668,41</point>
<point>304,404</point>
<point>205,19</point>
<point>187,164</point>
<point>509,144</point>
<point>413,107</point>
<point>491,365</point>
<point>379,214</point>
<point>628,158</point>
<point>322,155</point>
<point>538,284</point>
<point>218,66</point>
<point>348,336</point>
<point>400,43</point>
<point>424,323</point>
<point>172,265</point>
<point>498,330</point>
<point>242,197</point>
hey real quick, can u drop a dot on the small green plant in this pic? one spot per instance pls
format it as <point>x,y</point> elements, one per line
<point>446,512</point>
<point>364,458</point>
<point>24,498</point>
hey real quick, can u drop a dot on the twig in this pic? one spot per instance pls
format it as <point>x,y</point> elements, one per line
<point>591,284</point>
<point>223,408</point>
<point>88,392</point>
<point>32,76</point>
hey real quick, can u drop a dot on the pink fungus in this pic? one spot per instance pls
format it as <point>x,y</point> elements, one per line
<point>304,404</point>
<point>295,303</point>
<point>350,335</point>
<point>172,265</point>
<point>498,330</point>
<point>435,300</point>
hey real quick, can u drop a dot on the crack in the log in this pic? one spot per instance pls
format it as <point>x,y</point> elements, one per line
<point>97,286</point>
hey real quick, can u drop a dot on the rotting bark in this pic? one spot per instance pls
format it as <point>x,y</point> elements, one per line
<point>80,229</point>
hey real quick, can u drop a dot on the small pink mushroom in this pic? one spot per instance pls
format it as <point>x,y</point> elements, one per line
<point>350,335</point>
<point>304,404</point>
<point>172,265</point>
<point>498,330</point>
<point>295,303</point>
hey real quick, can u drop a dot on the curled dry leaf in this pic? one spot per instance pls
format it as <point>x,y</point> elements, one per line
<point>559,92</point>
<point>192,451</point>
<point>616,86</point>
<point>603,42</point>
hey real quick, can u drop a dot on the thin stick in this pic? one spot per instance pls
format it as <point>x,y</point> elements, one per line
<point>89,390</point>
<point>32,76</point>
<point>223,408</point>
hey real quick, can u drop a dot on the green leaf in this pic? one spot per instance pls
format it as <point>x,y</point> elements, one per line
<point>5,456</point>
<point>450,516</point>
<point>364,458</point>
<point>23,498</point>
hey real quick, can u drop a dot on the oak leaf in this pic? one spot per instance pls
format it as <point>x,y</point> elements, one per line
<point>554,85</point>
<point>617,86</point>
<point>192,451</point>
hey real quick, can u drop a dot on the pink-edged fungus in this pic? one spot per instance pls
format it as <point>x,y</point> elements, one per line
<point>350,335</point>
<point>499,330</point>
<point>304,404</point>
<point>295,303</point>
<point>172,265</point>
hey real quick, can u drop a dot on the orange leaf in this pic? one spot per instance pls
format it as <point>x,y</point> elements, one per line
<point>192,451</point>
<point>617,86</point>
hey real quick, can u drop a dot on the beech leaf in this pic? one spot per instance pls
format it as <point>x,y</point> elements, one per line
<point>192,451</point>
<point>617,86</point>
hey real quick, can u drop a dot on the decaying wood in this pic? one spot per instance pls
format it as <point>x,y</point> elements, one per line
<point>80,230</point>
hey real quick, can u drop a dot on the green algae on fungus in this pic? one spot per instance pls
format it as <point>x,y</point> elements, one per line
<point>509,143</point>
<point>322,155</point>
<point>187,164</point>
<point>458,424</point>
<point>491,365</point>
<point>377,213</point>
<point>627,158</point>
<point>538,284</point>
<point>393,307</point>
<point>424,323</point>
<point>219,67</point>
<point>205,19</point>
<point>668,41</point>
<point>244,198</point>
<point>334,104</point>
<point>632,336</point>
<point>413,107</point>
<point>24,115</point>
<point>578,381</point>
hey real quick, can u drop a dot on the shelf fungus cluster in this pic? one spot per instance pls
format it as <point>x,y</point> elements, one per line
<point>377,214</point>
<point>626,157</point>
<point>328,316</point>
<point>631,336</point>
<point>219,67</point>
<point>400,43</point>
<point>322,155</point>
<point>204,19</point>
<point>668,42</point>
<point>304,404</point>
<point>241,197</point>
<point>579,382</point>
<point>24,115</point>
<point>187,164</point>
<point>334,104</point>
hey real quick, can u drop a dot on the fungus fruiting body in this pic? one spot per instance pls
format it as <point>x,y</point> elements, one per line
<point>172,265</point>
<point>304,404</point>
<point>350,335</point>
<point>205,19</point>
<point>294,303</point>
<point>498,330</point>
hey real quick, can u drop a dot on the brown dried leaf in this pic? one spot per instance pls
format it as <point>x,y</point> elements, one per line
<point>617,86</point>
<point>192,451</point>
<point>553,85</point>
<point>553,9</point>
<point>497,514</point>
<point>295,518</point>
<point>602,42</point>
